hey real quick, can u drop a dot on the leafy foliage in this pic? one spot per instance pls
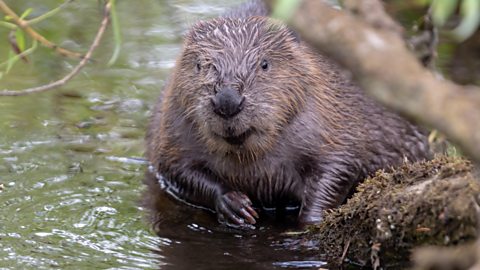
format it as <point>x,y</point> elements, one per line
<point>469,12</point>
<point>465,12</point>
<point>21,35</point>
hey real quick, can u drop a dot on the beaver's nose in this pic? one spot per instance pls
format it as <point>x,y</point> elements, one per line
<point>228,102</point>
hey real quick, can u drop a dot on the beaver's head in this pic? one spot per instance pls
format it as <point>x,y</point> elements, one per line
<point>240,81</point>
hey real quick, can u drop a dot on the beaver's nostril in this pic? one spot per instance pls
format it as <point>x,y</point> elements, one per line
<point>227,103</point>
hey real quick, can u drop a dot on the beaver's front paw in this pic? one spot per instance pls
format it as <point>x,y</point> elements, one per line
<point>235,209</point>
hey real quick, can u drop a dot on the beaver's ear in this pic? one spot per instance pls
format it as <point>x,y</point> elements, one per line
<point>200,30</point>
<point>193,33</point>
<point>286,32</point>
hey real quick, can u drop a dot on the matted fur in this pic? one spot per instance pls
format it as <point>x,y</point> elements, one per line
<point>312,134</point>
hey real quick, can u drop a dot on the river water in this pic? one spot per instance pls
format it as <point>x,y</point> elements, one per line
<point>71,160</point>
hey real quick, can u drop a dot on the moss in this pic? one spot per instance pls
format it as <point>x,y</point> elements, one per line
<point>426,203</point>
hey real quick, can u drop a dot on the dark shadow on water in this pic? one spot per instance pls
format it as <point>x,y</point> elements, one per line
<point>191,238</point>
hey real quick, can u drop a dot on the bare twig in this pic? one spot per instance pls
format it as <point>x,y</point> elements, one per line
<point>81,64</point>
<point>49,13</point>
<point>29,30</point>
<point>388,71</point>
<point>345,250</point>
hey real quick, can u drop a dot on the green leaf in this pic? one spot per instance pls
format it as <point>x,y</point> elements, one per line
<point>20,38</point>
<point>8,25</point>
<point>423,2</point>
<point>470,10</point>
<point>284,9</point>
<point>12,59</point>
<point>116,35</point>
<point>26,13</point>
<point>1,75</point>
<point>442,10</point>
<point>18,56</point>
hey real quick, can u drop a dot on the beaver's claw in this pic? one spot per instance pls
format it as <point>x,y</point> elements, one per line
<point>235,208</point>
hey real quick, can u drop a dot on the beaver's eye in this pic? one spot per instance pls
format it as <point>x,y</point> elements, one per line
<point>264,65</point>
<point>213,68</point>
<point>198,67</point>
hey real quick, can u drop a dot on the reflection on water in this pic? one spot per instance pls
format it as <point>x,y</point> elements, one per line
<point>194,240</point>
<point>71,161</point>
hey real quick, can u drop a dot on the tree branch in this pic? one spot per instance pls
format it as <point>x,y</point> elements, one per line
<point>29,30</point>
<point>389,72</point>
<point>81,64</point>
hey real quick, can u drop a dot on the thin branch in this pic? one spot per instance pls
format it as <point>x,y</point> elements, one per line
<point>81,64</point>
<point>345,250</point>
<point>49,13</point>
<point>29,30</point>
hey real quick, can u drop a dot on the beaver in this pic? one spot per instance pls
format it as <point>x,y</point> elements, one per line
<point>252,117</point>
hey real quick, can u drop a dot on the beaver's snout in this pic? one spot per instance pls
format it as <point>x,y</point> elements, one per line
<point>228,102</point>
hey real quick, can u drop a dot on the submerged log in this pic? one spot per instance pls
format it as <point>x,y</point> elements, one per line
<point>465,256</point>
<point>427,203</point>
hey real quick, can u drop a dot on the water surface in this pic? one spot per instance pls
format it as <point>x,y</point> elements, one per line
<point>71,160</point>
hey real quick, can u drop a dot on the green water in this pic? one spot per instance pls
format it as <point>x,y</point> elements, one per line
<point>71,165</point>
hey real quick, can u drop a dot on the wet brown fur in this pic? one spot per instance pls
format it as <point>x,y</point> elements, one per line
<point>315,134</point>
